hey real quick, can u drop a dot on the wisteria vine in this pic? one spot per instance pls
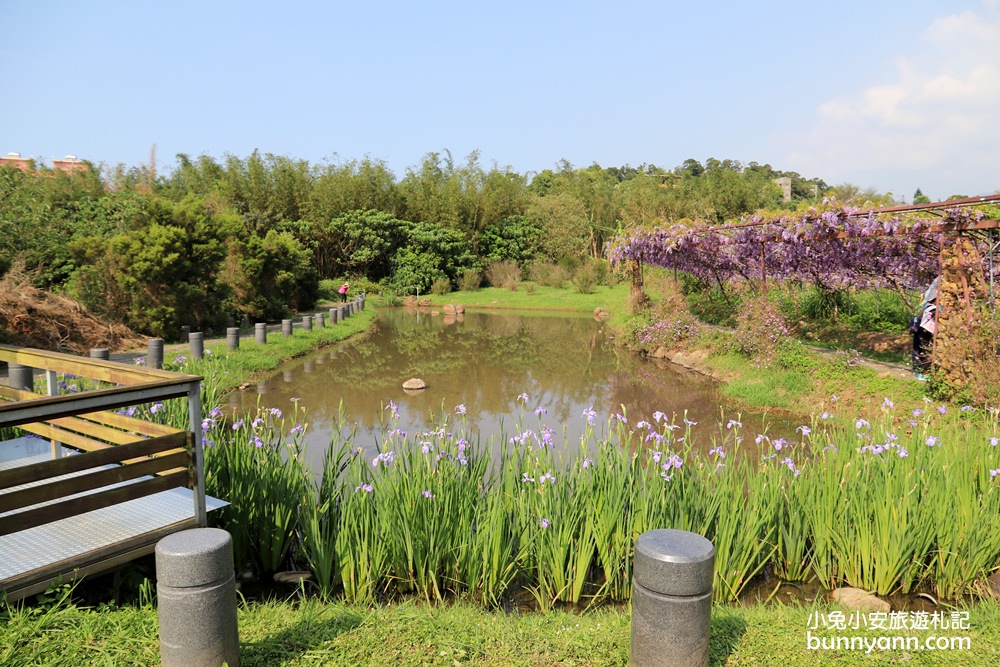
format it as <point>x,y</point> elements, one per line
<point>836,248</point>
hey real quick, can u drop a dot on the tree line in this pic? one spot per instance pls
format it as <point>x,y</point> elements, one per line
<point>257,234</point>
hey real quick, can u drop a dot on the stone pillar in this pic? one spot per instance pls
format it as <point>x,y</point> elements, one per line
<point>260,332</point>
<point>20,377</point>
<point>320,320</point>
<point>671,599</point>
<point>100,353</point>
<point>185,333</point>
<point>196,598</point>
<point>334,316</point>
<point>344,311</point>
<point>233,338</point>
<point>196,341</point>
<point>286,327</point>
<point>307,323</point>
<point>361,300</point>
<point>154,353</point>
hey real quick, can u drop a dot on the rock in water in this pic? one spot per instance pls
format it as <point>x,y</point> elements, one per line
<point>414,384</point>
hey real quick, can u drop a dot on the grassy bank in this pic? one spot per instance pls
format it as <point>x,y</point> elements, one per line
<point>311,632</point>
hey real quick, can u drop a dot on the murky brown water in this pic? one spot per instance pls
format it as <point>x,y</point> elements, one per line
<point>484,361</point>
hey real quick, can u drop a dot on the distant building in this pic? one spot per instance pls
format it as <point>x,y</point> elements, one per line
<point>785,183</point>
<point>69,164</point>
<point>17,162</point>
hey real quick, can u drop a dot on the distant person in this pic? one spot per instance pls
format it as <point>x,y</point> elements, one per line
<point>923,326</point>
<point>343,291</point>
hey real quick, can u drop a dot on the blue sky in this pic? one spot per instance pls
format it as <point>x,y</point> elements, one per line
<point>892,95</point>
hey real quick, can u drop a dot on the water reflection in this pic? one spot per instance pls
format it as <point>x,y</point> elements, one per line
<point>483,361</point>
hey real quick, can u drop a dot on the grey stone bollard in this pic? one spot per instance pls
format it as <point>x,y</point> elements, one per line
<point>260,332</point>
<point>154,353</point>
<point>344,312</point>
<point>320,320</point>
<point>671,599</point>
<point>196,598</point>
<point>334,316</point>
<point>361,300</point>
<point>20,377</point>
<point>307,323</point>
<point>196,342</point>
<point>232,338</point>
<point>286,327</point>
<point>100,353</point>
<point>185,333</point>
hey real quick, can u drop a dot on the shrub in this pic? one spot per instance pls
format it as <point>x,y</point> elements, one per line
<point>470,280</point>
<point>529,286</point>
<point>585,279</point>
<point>549,274</point>
<point>504,274</point>
<point>441,286</point>
<point>761,331</point>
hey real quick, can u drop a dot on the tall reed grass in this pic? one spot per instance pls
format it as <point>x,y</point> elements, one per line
<point>906,502</point>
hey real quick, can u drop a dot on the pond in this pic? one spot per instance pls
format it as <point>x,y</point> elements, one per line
<point>487,362</point>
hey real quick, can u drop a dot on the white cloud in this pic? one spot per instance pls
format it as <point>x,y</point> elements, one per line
<point>936,123</point>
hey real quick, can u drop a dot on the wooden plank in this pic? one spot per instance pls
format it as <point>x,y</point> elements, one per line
<point>71,464</point>
<point>68,438</point>
<point>91,562</point>
<point>35,408</point>
<point>127,423</point>
<point>68,508</point>
<point>93,430</point>
<point>42,493</point>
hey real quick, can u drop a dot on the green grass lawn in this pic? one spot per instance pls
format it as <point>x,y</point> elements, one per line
<point>299,633</point>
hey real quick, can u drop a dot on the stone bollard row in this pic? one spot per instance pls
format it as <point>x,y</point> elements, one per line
<point>307,323</point>
<point>318,319</point>
<point>233,338</point>
<point>20,377</point>
<point>102,353</point>
<point>286,327</point>
<point>260,332</point>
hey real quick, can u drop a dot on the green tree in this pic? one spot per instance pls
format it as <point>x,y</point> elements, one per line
<point>920,198</point>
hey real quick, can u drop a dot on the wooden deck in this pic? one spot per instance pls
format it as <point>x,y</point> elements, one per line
<point>84,488</point>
